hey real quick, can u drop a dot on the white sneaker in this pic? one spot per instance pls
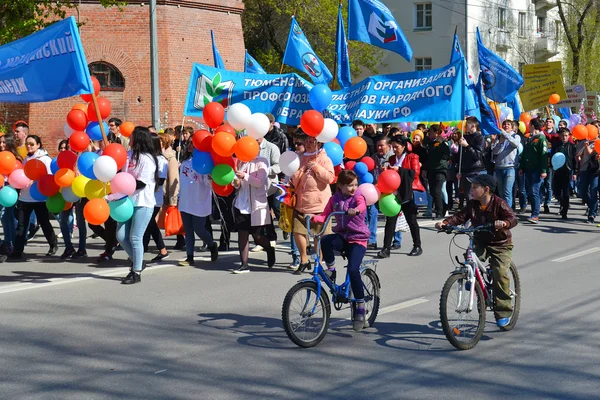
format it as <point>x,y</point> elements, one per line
<point>257,249</point>
<point>273,243</point>
<point>447,214</point>
<point>60,235</point>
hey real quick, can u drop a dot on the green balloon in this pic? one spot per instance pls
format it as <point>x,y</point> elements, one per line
<point>121,210</point>
<point>56,203</point>
<point>223,174</point>
<point>389,205</point>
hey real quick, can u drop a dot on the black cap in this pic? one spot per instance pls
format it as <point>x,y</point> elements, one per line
<point>484,180</point>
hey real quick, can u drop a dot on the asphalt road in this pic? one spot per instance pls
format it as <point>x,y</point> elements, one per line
<point>72,331</point>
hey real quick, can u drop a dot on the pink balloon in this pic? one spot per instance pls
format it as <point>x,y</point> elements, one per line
<point>18,180</point>
<point>123,183</point>
<point>370,192</point>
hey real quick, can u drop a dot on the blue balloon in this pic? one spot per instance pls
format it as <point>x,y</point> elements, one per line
<point>85,164</point>
<point>361,169</point>
<point>35,193</point>
<point>8,196</point>
<point>94,132</point>
<point>320,97</point>
<point>334,152</point>
<point>202,162</point>
<point>558,160</point>
<point>366,178</point>
<point>345,133</point>
<point>54,165</point>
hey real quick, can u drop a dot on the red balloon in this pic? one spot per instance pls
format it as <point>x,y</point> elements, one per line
<point>226,128</point>
<point>369,161</point>
<point>337,169</point>
<point>213,114</point>
<point>35,169</point>
<point>222,190</point>
<point>222,160</point>
<point>47,186</point>
<point>19,165</point>
<point>77,120</point>
<point>350,165</point>
<point>88,97</point>
<point>117,152</point>
<point>104,107</point>
<point>202,140</point>
<point>388,182</point>
<point>66,159</point>
<point>312,123</point>
<point>79,141</point>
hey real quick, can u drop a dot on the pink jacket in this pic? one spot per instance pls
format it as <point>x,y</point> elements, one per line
<point>257,177</point>
<point>312,184</point>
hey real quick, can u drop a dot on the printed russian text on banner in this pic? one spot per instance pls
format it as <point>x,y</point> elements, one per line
<point>541,81</point>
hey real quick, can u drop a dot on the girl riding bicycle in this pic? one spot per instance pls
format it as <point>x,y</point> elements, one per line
<point>351,236</point>
<point>484,208</point>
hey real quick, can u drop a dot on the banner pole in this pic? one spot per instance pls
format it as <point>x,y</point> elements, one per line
<point>95,101</point>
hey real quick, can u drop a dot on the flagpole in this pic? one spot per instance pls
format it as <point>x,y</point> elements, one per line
<point>281,69</point>
<point>100,122</point>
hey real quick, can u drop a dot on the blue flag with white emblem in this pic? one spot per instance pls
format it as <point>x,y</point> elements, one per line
<point>343,60</point>
<point>471,104</point>
<point>216,55</point>
<point>370,21</point>
<point>252,66</point>
<point>487,122</point>
<point>300,55</point>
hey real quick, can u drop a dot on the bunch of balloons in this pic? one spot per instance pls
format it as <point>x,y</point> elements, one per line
<point>363,169</point>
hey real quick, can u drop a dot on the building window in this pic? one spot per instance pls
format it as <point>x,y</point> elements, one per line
<point>557,26</point>
<point>522,24</point>
<point>423,16</point>
<point>501,18</point>
<point>541,26</point>
<point>108,75</point>
<point>423,64</point>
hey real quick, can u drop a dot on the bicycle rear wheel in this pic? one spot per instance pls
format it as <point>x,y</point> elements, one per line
<point>372,296</point>
<point>305,327</point>
<point>515,294</point>
<point>462,328</point>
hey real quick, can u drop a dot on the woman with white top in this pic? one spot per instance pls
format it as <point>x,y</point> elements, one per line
<point>142,163</point>
<point>27,204</point>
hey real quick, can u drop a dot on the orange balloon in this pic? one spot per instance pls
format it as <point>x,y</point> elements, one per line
<point>597,146</point>
<point>224,144</point>
<point>81,106</point>
<point>592,132</point>
<point>555,98</point>
<point>68,206</point>
<point>35,169</point>
<point>580,132</point>
<point>246,148</point>
<point>64,177</point>
<point>96,211</point>
<point>2,180</point>
<point>8,161</point>
<point>355,148</point>
<point>226,128</point>
<point>126,128</point>
<point>525,118</point>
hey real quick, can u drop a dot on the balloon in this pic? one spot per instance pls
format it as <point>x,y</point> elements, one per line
<point>202,162</point>
<point>95,189</point>
<point>85,164</point>
<point>79,141</point>
<point>247,148</point>
<point>289,162</point>
<point>123,183</point>
<point>126,128</point>
<point>223,174</point>
<point>258,126</point>
<point>35,169</point>
<point>93,130</point>
<point>8,196</point>
<point>334,152</point>
<point>312,123</point>
<point>388,205</point>
<point>18,179</point>
<point>56,203</point>
<point>525,118</point>
<point>369,191</point>
<point>413,126</point>
<point>366,178</point>
<point>522,127</point>
<point>103,106</point>
<point>320,97</point>
<point>217,159</point>
<point>202,140</point>
<point>121,210</point>
<point>96,211</point>
<point>223,144</point>
<point>68,130</point>
<point>238,116</point>
<point>558,160</point>
<point>361,168</point>
<point>520,148</point>
<point>54,166</point>
<point>105,168</point>
<point>64,177</point>
<point>88,97</point>
<point>77,120</point>
<point>47,186</point>
<point>79,184</point>
<point>369,161</point>
<point>226,128</point>
<point>580,132</point>
<point>35,193</point>
<point>388,182</point>
<point>329,132</point>
<point>69,195</point>
<point>355,148</point>
<point>346,133</point>
<point>223,191</point>
<point>66,159</point>
<point>80,106</point>
<point>554,98</point>
<point>117,152</point>
<point>404,126</point>
<point>8,162</point>
<point>592,132</point>
<point>596,148</point>
<point>213,114</point>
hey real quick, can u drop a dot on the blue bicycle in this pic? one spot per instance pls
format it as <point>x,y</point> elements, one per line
<point>306,308</point>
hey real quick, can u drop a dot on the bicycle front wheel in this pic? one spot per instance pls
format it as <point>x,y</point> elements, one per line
<point>372,296</point>
<point>305,315</point>
<point>463,327</point>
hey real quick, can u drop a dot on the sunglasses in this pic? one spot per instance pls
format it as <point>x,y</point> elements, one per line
<point>30,144</point>
<point>298,144</point>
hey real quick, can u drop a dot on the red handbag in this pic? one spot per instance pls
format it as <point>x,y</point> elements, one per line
<point>173,222</point>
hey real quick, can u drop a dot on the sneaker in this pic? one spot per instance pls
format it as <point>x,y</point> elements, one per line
<point>331,274</point>
<point>131,278</point>
<point>52,251</point>
<point>203,248</point>
<point>257,249</point>
<point>214,252</point>
<point>286,235</point>
<point>273,243</point>
<point>295,263</point>
<point>446,214</point>
<point>383,253</point>
<point>502,322</point>
<point>359,319</point>
<point>590,220</point>
<point>546,209</point>
<point>60,235</point>
<point>534,220</point>
<point>416,251</point>
<point>522,210</point>
<point>79,254</point>
<point>105,257</point>
<point>67,253</point>
<point>396,246</point>
<point>244,269</point>
<point>188,262</point>
<point>160,257</point>
<point>33,232</point>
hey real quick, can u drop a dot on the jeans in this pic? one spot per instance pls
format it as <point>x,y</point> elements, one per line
<point>81,225</point>
<point>506,181</point>
<point>194,225</point>
<point>547,187</point>
<point>65,220</point>
<point>9,225</point>
<point>534,181</point>
<point>372,214</point>
<point>294,247</point>
<point>588,191</point>
<point>354,252</point>
<point>397,239</point>
<point>130,235</point>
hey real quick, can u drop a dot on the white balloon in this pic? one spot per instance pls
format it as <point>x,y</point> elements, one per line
<point>105,168</point>
<point>258,126</point>
<point>329,132</point>
<point>68,130</point>
<point>289,162</point>
<point>68,195</point>
<point>239,116</point>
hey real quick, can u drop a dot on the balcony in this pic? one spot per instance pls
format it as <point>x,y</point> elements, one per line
<point>545,48</point>
<point>502,41</point>
<point>541,6</point>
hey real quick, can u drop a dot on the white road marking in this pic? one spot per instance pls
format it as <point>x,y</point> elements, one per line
<point>386,310</point>
<point>160,372</point>
<point>576,255</point>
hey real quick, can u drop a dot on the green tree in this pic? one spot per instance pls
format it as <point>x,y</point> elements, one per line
<point>19,18</point>
<point>266,26</point>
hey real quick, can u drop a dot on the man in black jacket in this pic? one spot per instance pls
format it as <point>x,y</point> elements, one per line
<point>472,148</point>
<point>359,127</point>
<point>561,185</point>
<point>276,136</point>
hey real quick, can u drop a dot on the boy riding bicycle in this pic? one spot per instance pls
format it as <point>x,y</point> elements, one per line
<point>484,208</point>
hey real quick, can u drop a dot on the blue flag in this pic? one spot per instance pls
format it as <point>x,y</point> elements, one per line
<point>471,103</point>
<point>300,55</point>
<point>487,122</point>
<point>565,112</point>
<point>516,107</point>
<point>216,55</point>
<point>252,66</point>
<point>47,65</point>
<point>500,81</point>
<point>370,21</point>
<point>341,48</point>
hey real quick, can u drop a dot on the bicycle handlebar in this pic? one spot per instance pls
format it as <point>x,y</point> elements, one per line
<point>308,217</point>
<point>449,229</point>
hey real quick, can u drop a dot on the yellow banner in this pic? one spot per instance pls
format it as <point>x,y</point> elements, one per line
<point>541,81</point>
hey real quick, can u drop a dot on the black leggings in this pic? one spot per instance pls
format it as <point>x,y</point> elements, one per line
<point>154,231</point>
<point>437,179</point>
<point>410,213</point>
<point>23,213</point>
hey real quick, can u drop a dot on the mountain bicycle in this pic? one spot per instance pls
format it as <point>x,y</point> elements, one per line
<point>468,292</point>
<point>306,308</point>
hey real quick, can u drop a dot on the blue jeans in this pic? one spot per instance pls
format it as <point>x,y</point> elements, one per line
<point>522,190</point>
<point>372,214</point>
<point>547,187</point>
<point>534,182</point>
<point>506,181</point>
<point>130,235</point>
<point>397,238</point>
<point>588,191</point>
<point>355,253</point>
<point>9,225</point>
<point>194,225</point>
<point>65,220</point>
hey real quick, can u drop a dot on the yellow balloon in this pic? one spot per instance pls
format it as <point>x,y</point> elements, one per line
<point>522,127</point>
<point>78,185</point>
<point>95,190</point>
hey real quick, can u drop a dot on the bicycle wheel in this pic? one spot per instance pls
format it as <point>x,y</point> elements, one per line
<point>372,296</point>
<point>463,329</point>
<point>303,326</point>
<point>515,294</point>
